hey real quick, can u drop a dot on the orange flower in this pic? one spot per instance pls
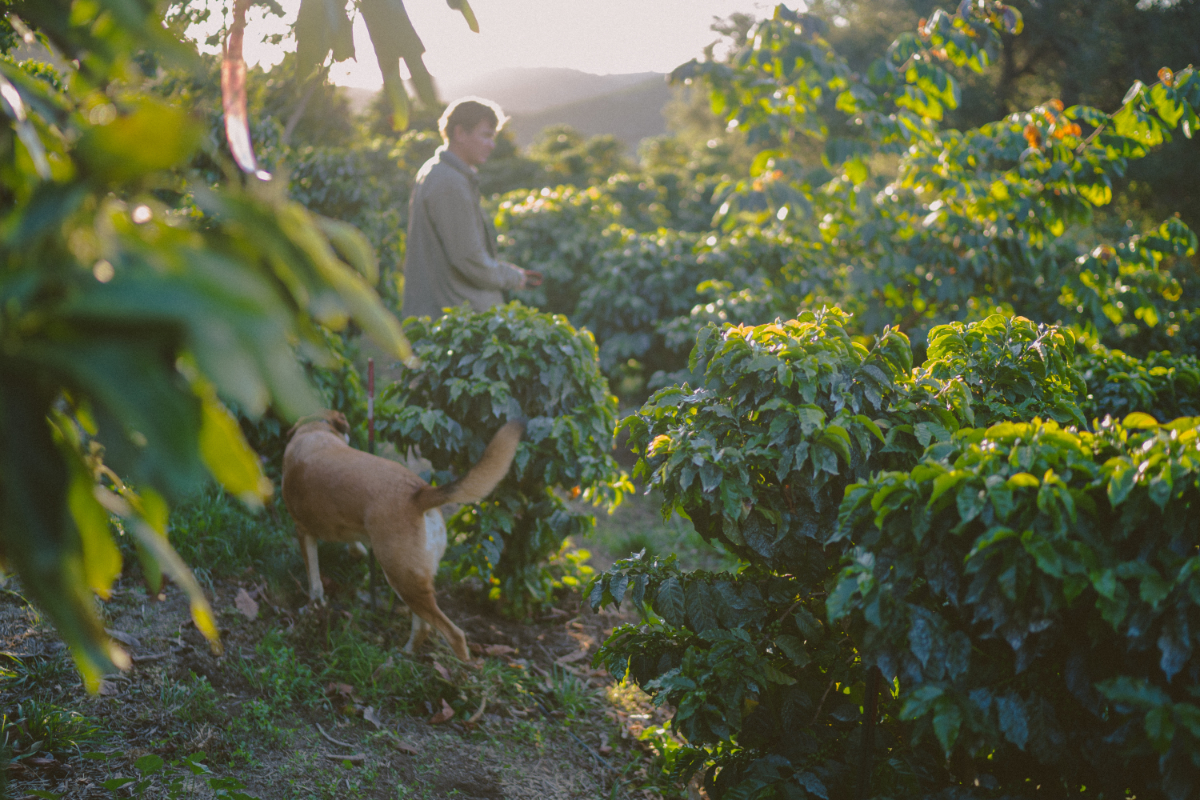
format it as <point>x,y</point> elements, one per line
<point>1033,136</point>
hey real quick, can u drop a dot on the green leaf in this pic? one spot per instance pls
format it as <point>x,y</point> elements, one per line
<point>351,246</point>
<point>918,702</point>
<point>394,37</point>
<point>793,649</point>
<point>701,614</point>
<point>1121,484</point>
<point>314,34</point>
<point>856,171</point>
<point>971,501</point>
<point>809,625</point>
<point>152,138</point>
<point>1139,421</point>
<point>840,602</point>
<point>944,483</point>
<point>775,676</point>
<point>1098,194</point>
<point>947,721</point>
<point>26,132</point>
<point>669,603</point>
<point>992,537</point>
<point>101,558</point>
<point>1023,480</point>
<point>616,587</point>
<point>1043,552</point>
<point>1160,728</point>
<point>37,541</point>
<point>360,299</point>
<point>227,455</point>
<point>1014,722</point>
<point>149,764</point>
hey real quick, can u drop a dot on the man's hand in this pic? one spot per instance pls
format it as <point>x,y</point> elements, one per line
<point>530,278</point>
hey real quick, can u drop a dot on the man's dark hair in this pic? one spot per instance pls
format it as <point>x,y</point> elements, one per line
<point>467,113</point>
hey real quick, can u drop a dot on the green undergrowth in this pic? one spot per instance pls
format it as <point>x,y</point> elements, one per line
<point>220,537</point>
<point>257,707</point>
<point>638,525</point>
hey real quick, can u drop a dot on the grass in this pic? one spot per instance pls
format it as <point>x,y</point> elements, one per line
<point>40,726</point>
<point>570,694</point>
<point>34,672</point>
<point>638,525</point>
<point>287,670</point>
<point>366,663</point>
<point>278,675</point>
<point>220,538</point>
<point>193,700</point>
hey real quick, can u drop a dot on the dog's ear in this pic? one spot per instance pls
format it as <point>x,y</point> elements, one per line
<point>338,420</point>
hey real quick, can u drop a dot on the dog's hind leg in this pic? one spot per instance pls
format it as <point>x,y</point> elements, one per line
<point>308,548</point>
<point>424,606</point>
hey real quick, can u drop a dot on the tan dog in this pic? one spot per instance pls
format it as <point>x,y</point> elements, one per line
<point>340,494</point>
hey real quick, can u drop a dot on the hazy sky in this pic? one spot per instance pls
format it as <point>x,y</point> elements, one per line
<point>600,36</point>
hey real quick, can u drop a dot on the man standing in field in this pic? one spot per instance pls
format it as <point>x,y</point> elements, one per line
<point>451,247</point>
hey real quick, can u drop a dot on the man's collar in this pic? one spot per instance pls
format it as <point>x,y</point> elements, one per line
<point>448,157</point>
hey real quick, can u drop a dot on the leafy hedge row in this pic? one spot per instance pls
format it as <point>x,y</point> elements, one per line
<point>789,451</point>
<point>642,292</point>
<point>477,372</point>
<point>1163,385</point>
<point>1033,589</point>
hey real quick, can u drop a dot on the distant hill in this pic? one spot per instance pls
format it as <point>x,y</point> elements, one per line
<point>525,91</point>
<point>630,114</point>
<point>628,106</point>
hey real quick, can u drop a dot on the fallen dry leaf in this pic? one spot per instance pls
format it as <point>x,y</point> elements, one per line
<point>403,747</point>
<point>445,715</point>
<point>571,658</point>
<point>371,716</point>
<point>123,637</point>
<point>499,650</point>
<point>445,673</point>
<point>246,604</point>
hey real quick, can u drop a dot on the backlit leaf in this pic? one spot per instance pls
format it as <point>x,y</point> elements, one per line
<point>227,455</point>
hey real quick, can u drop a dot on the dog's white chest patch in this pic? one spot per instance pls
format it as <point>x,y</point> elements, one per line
<point>435,533</point>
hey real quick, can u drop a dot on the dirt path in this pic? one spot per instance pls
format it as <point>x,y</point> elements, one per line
<point>304,705</point>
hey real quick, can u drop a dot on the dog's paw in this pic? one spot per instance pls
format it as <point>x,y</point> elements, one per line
<point>314,605</point>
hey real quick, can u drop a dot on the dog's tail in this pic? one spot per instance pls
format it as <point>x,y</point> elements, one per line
<point>479,482</point>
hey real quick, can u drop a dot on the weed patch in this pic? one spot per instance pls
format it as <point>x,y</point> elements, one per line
<point>39,726</point>
<point>219,537</point>
<point>279,676</point>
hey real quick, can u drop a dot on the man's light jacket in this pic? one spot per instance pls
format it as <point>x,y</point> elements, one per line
<point>451,249</point>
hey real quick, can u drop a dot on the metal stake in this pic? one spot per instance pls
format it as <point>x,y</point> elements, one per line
<point>371,449</point>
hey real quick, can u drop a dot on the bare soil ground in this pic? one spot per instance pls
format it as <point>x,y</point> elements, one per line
<point>321,704</point>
